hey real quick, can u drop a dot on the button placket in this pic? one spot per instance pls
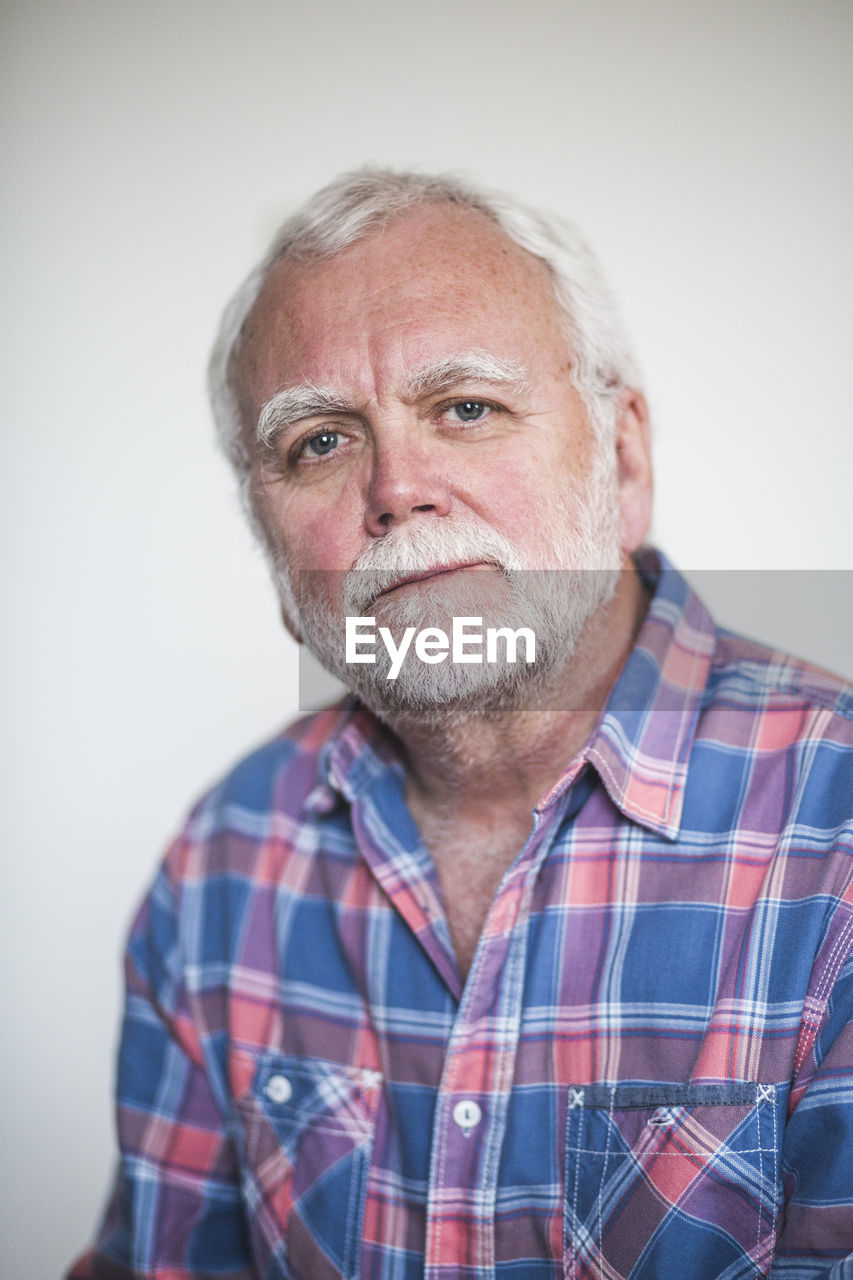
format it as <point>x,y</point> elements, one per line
<point>469,1130</point>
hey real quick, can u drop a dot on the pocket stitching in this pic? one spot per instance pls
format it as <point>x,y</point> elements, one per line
<point>360,1096</point>
<point>575,1112</point>
<point>747,1096</point>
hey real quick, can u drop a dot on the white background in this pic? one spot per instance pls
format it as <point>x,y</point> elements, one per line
<point>150,151</point>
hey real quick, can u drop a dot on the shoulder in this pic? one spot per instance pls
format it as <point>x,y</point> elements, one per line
<point>249,839</point>
<point>286,768</point>
<point>790,724</point>
<point>274,795</point>
<point>744,672</point>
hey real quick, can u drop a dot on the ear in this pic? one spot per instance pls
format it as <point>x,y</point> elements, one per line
<point>634,468</point>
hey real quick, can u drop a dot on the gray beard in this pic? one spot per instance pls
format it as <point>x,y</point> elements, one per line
<point>555,603</point>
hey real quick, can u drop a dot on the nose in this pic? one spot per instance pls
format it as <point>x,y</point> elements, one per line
<point>405,480</point>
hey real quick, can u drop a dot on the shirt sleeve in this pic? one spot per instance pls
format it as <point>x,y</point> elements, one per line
<point>175,1210</point>
<point>816,1237</point>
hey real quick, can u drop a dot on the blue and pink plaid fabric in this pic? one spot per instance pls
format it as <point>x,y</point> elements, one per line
<point>648,1073</point>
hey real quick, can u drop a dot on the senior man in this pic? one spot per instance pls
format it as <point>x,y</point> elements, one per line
<point>500,968</point>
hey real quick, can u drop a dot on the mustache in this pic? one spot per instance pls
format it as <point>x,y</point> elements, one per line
<point>404,553</point>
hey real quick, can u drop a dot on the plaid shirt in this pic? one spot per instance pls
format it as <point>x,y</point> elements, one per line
<point>648,1073</point>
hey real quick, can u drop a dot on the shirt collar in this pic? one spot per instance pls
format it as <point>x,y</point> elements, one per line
<point>641,744</point>
<point>359,750</point>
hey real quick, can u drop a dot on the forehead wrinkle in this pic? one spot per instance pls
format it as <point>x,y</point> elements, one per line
<point>466,366</point>
<point>292,404</point>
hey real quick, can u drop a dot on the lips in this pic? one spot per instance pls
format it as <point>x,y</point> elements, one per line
<point>437,571</point>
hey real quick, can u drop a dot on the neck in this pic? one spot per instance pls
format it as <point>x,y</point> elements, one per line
<point>504,762</point>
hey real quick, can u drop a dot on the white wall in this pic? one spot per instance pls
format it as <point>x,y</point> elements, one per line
<point>153,148</point>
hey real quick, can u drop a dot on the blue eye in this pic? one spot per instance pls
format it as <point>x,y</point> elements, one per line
<point>470,410</point>
<point>323,443</point>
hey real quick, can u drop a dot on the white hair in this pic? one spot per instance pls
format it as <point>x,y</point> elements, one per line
<point>366,200</point>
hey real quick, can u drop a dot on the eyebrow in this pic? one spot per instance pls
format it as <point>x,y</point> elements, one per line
<point>307,400</point>
<point>292,405</point>
<point>469,366</point>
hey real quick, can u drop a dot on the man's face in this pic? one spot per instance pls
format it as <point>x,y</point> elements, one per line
<point>418,411</point>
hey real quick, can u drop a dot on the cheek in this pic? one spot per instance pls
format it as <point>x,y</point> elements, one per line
<point>521,492</point>
<point>533,500</point>
<point>325,540</point>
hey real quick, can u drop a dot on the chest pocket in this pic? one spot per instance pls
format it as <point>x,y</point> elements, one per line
<point>306,1133</point>
<point>669,1180</point>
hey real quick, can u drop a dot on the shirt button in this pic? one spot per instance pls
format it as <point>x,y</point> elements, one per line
<point>467,1115</point>
<point>278,1089</point>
